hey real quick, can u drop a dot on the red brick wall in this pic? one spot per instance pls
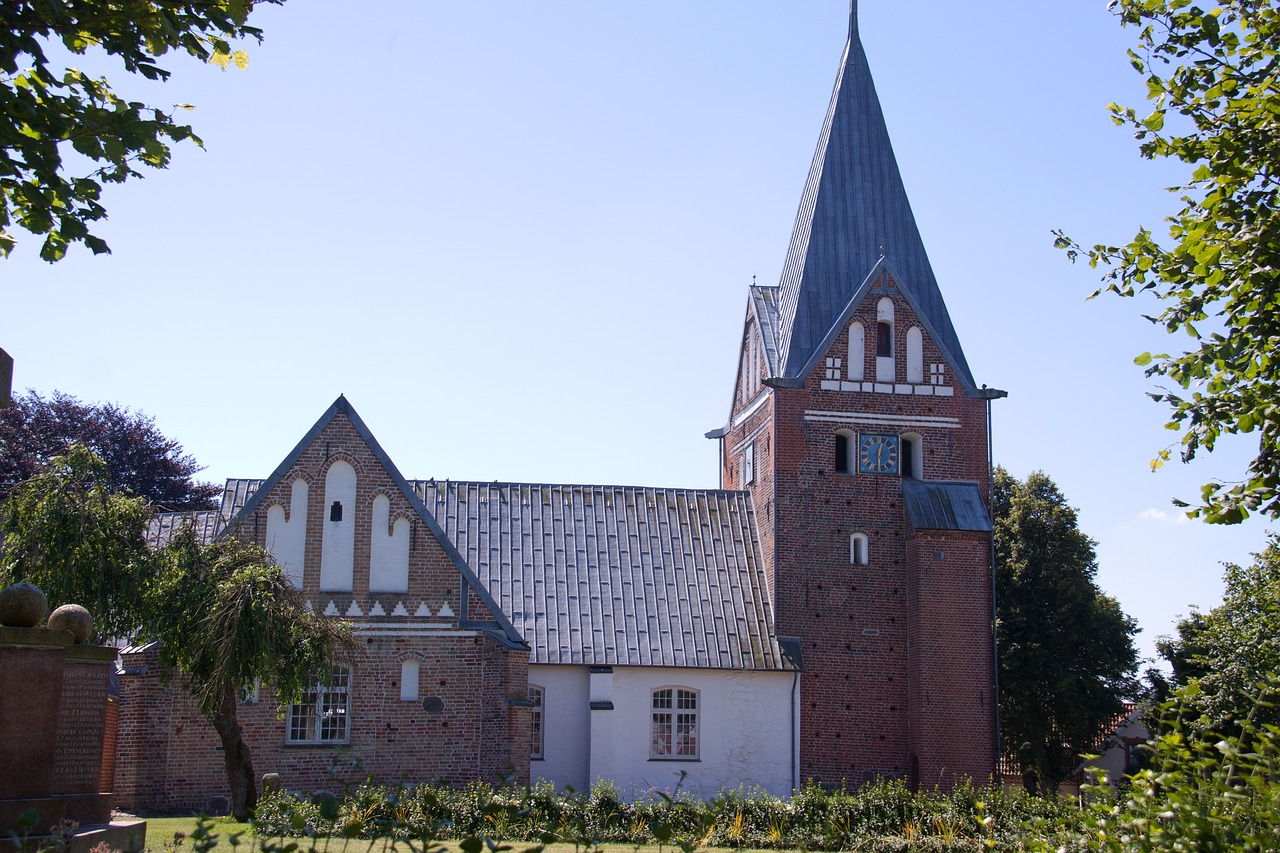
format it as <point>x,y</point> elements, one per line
<point>143,740</point>
<point>477,736</point>
<point>107,776</point>
<point>875,670</point>
<point>952,690</point>
<point>171,758</point>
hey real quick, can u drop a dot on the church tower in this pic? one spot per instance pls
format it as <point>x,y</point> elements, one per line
<point>862,436</point>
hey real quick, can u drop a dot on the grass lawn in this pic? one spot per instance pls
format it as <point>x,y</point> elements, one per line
<point>161,830</point>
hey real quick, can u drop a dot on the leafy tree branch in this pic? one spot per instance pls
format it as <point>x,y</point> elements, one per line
<point>1213,82</point>
<point>46,114</point>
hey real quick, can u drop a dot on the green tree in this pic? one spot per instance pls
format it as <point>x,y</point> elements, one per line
<point>1234,649</point>
<point>140,459</point>
<point>67,532</point>
<point>227,617</point>
<point>1066,652</point>
<point>1212,80</point>
<point>47,113</point>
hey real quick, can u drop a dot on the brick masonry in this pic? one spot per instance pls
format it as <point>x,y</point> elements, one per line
<point>898,678</point>
<point>170,757</point>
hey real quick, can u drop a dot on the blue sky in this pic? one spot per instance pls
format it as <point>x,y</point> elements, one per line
<point>518,236</point>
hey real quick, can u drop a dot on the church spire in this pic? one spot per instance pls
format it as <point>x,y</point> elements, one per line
<point>854,213</point>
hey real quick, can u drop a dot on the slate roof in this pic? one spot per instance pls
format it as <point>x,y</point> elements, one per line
<point>854,203</point>
<point>617,575</point>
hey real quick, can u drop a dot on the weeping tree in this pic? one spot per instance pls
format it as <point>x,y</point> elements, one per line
<point>227,618</point>
<point>69,533</point>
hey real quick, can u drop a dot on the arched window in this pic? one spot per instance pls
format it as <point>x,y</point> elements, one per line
<point>915,355</point>
<point>857,351</point>
<point>409,680</point>
<point>911,454</point>
<point>674,724</point>
<point>535,727</point>
<point>884,341</point>
<point>858,549</point>
<point>844,452</point>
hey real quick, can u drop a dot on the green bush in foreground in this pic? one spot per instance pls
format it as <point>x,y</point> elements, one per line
<point>1201,792</point>
<point>1198,794</point>
<point>814,819</point>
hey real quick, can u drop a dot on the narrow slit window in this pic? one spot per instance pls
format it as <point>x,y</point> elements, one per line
<point>335,511</point>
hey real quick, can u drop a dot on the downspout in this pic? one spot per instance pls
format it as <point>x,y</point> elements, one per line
<point>993,394</point>
<point>795,731</point>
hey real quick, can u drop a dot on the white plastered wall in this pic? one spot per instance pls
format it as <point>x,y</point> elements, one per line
<point>388,550</point>
<point>566,720</point>
<point>338,548</point>
<point>287,538</point>
<point>745,729</point>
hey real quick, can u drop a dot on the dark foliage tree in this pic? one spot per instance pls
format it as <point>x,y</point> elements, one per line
<point>47,113</point>
<point>69,533</point>
<point>139,459</point>
<point>1067,659</point>
<point>227,616</point>
<point>1233,650</point>
<point>1211,73</point>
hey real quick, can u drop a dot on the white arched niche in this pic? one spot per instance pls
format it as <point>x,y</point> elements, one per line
<point>338,546</point>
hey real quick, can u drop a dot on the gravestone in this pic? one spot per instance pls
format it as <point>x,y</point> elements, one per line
<point>53,709</point>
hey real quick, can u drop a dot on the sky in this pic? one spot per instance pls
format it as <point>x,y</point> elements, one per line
<point>518,237</point>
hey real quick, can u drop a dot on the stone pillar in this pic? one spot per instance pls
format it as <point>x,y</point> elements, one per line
<point>31,668</point>
<point>82,726</point>
<point>6,379</point>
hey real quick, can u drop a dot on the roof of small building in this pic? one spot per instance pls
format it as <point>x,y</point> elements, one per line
<point>945,506</point>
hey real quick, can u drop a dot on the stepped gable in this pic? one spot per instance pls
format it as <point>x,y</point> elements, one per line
<point>854,215</point>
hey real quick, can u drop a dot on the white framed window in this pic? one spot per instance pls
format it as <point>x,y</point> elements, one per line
<point>858,549</point>
<point>249,693</point>
<point>324,713</point>
<point>885,371</point>
<point>674,726</point>
<point>833,368</point>
<point>749,464</point>
<point>536,731</point>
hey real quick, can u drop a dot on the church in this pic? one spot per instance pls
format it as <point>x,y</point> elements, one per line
<point>825,614</point>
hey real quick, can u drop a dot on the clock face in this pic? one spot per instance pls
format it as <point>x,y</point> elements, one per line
<point>878,454</point>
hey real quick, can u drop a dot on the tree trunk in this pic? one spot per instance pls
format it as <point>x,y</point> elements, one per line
<point>235,755</point>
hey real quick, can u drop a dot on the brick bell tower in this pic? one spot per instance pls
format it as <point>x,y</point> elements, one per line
<point>859,431</point>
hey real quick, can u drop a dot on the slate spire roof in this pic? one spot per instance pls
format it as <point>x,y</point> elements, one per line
<point>854,214</point>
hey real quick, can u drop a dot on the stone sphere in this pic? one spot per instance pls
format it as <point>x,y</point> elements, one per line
<point>73,618</point>
<point>22,605</point>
